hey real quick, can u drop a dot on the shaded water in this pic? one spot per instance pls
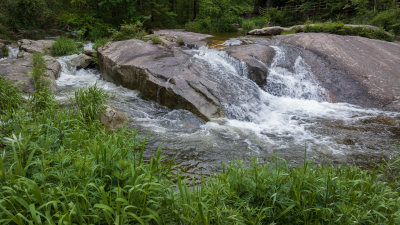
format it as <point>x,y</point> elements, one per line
<point>290,115</point>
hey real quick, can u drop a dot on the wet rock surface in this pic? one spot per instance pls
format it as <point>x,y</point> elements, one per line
<point>81,61</point>
<point>355,70</point>
<point>19,71</point>
<point>160,74</point>
<point>257,56</point>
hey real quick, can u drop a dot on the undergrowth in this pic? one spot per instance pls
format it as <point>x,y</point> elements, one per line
<point>64,46</point>
<point>59,165</point>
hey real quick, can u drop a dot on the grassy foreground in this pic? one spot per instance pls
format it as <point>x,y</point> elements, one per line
<point>59,165</point>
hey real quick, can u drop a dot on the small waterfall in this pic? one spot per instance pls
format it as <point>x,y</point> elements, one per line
<point>300,83</point>
<point>240,96</point>
<point>12,53</point>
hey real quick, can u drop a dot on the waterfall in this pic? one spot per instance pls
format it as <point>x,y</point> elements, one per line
<point>12,53</point>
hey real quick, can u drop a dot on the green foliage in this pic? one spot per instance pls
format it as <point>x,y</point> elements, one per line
<point>5,51</point>
<point>155,39</point>
<point>57,167</point>
<point>38,71</point>
<point>100,43</point>
<point>90,102</point>
<point>340,28</point>
<point>64,46</point>
<point>42,97</point>
<point>180,41</point>
<point>129,31</point>
<point>10,96</point>
<point>389,20</point>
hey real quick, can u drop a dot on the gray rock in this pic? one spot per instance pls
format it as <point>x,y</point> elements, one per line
<point>32,46</point>
<point>113,118</point>
<point>19,71</point>
<point>355,70</point>
<point>258,58</point>
<point>159,74</point>
<point>91,53</point>
<point>170,37</point>
<point>81,61</point>
<point>276,30</point>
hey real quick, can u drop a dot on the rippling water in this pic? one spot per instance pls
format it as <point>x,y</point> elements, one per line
<point>287,117</point>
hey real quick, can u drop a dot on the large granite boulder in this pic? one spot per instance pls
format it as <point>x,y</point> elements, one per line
<point>31,46</point>
<point>19,71</point>
<point>159,74</point>
<point>180,78</point>
<point>355,70</point>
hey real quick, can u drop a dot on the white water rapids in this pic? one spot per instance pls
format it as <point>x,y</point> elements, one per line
<point>289,115</point>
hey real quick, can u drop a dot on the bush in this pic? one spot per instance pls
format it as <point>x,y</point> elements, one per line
<point>155,39</point>
<point>248,25</point>
<point>180,41</point>
<point>129,31</point>
<point>64,46</point>
<point>10,96</point>
<point>38,71</point>
<point>389,20</point>
<point>5,51</point>
<point>341,29</point>
<point>100,43</point>
<point>90,102</point>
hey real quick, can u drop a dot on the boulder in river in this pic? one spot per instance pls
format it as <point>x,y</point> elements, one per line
<point>113,118</point>
<point>19,71</point>
<point>275,30</point>
<point>159,74</point>
<point>81,61</point>
<point>355,70</point>
<point>257,56</point>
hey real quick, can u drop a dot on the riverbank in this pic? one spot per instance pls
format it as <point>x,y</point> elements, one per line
<point>60,166</point>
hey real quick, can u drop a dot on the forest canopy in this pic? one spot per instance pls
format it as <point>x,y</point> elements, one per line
<point>101,18</point>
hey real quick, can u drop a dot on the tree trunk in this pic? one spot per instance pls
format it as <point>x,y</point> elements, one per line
<point>195,9</point>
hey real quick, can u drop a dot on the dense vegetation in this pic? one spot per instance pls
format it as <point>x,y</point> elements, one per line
<point>95,19</point>
<point>59,165</point>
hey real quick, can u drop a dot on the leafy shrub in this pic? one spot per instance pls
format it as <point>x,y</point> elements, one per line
<point>64,46</point>
<point>341,29</point>
<point>180,41</point>
<point>38,71</point>
<point>129,31</point>
<point>90,102</point>
<point>100,43</point>
<point>248,25</point>
<point>10,96</point>
<point>389,20</point>
<point>155,39</point>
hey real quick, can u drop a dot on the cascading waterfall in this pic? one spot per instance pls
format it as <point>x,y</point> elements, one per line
<point>12,53</point>
<point>291,112</point>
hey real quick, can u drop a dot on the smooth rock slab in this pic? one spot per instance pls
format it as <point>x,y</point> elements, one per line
<point>159,74</point>
<point>31,46</point>
<point>19,71</point>
<point>356,70</point>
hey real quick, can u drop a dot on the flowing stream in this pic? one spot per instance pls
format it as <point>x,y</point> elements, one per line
<point>289,116</point>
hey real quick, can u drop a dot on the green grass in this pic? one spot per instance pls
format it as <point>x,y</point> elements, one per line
<point>10,96</point>
<point>59,165</point>
<point>100,43</point>
<point>180,41</point>
<point>64,46</point>
<point>155,39</point>
<point>341,29</point>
